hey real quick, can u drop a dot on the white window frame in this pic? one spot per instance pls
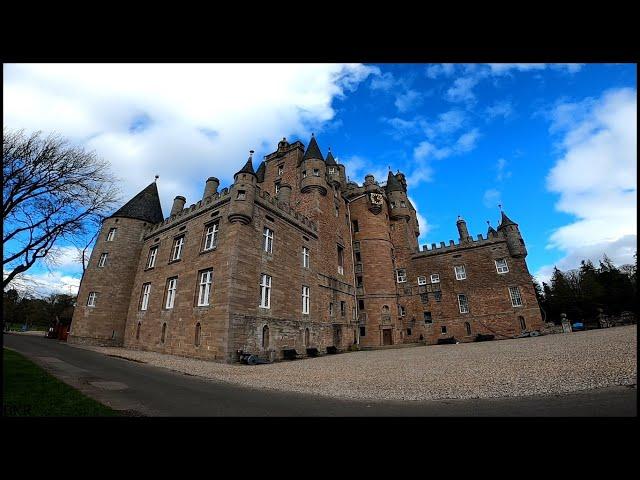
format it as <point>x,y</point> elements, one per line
<point>211,237</point>
<point>403,204</point>
<point>306,257</point>
<point>111,235</point>
<point>460,274</point>
<point>146,293</point>
<point>464,304</point>
<point>204,290</point>
<point>277,187</point>
<point>306,294</point>
<point>267,245</point>
<point>316,172</point>
<point>153,253</point>
<point>172,286</point>
<point>401,311</point>
<point>515,298</point>
<point>177,248</point>
<point>422,280</point>
<point>91,300</point>
<point>340,260</point>
<point>435,278</point>
<point>265,291</point>
<point>280,169</point>
<point>401,278</point>
<point>332,170</point>
<point>504,268</point>
<point>304,174</point>
<point>103,259</point>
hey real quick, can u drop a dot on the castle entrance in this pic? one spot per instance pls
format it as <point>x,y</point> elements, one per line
<point>387,338</point>
<point>337,335</point>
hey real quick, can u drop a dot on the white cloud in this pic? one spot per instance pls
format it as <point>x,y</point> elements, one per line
<point>492,198</point>
<point>502,108</point>
<point>462,90</point>
<point>422,223</point>
<point>501,167</point>
<point>596,177</point>
<point>408,100</point>
<point>44,283</point>
<point>357,167</point>
<point>506,68</point>
<point>440,69</point>
<point>201,119</point>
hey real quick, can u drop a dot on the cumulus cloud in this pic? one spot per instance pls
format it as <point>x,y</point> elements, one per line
<point>502,109</point>
<point>408,100</point>
<point>595,177</point>
<point>492,198</point>
<point>440,69</point>
<point>462,90</point>
<point>183,122</point>
<point>424,226</point>
<point>502,172</point>
<point>44,283</point>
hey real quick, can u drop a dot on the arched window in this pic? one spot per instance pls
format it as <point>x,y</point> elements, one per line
<point>164,332</point>
<point>467,327</point>
<point>523,325</point>
<point>138,331</point>
<point>265,336</point>
<point>197,340</point>
<point>386,316</point>
<point>306,337</point>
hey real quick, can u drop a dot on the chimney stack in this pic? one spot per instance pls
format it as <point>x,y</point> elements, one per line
<point>210,187</point>
<point>178,205</point>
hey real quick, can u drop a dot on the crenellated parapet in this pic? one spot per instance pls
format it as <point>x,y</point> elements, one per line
<point>470,242</point>
<point>283,209</point>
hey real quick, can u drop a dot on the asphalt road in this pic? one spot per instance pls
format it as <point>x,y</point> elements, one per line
<point>140,389</point>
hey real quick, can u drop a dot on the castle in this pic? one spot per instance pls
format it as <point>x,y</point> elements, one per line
<point>294,256</point>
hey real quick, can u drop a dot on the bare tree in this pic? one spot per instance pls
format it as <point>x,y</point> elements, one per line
<point>52,191</point>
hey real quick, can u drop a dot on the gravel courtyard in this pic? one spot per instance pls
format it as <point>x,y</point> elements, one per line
<point>550,364</point>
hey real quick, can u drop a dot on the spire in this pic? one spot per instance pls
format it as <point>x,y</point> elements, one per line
<point>504,221</point>
<point>491,229</point>
<point>313,151</point>
<point>393,185</point>
<point>144,206</point>
<point>248,167</point>
<point>260,172</point>
<point>330,160</point>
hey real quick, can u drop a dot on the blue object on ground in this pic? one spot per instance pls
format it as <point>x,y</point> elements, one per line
<point>578,326</point>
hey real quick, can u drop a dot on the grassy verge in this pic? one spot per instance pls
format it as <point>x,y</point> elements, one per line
<point>29,391</point>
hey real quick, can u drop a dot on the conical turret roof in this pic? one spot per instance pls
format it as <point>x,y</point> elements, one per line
<point>144,206</point>
<point>260,172</point>
<point>330,160</point>
<point>313,151</point>
<point>248,167</point>
<point>393,184</point>
<point>504,221</point>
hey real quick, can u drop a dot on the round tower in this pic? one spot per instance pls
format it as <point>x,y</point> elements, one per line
<point>462,230</point>
<point>398,201</point>
<point>243,194</point>
<point>313,169</point>
<point>510,231</point>
<point>100,315</point>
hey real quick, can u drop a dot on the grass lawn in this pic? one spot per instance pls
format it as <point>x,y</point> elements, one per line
<point>29,391</point>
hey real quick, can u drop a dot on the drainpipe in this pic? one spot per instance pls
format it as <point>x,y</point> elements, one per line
<point>353,263</point>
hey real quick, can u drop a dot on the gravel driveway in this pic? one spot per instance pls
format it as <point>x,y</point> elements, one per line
<point>549,364</point>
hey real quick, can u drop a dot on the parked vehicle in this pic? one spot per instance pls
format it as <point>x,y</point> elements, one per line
<point>577,326</point>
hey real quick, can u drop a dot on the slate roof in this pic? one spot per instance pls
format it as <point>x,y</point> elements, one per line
<point>144,206</point>
<point>330,160</point>
<point>248,168</point>
<point>313,151</point>
<point>260,172</point>
<point>393,184</point>
<point>504,221</point>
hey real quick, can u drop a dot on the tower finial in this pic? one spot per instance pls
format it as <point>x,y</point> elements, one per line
<point>489,222</point>
<point>156,178</point>
<point>251,154</point>
<point>500,206</point>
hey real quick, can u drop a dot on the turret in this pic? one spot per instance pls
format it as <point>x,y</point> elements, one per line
<point>509,229</point>
<point>178,205</point>
<point>398,201</point>
<point>313,169</point>
<point>243,194</point>
<point>284,193</point>
<point>333,170</point>
<point>210,187</point>
<point>462,230</point>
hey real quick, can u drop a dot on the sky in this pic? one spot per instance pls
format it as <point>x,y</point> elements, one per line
<point>554,144</point>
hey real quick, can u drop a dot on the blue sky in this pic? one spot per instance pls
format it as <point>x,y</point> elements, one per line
<point>555,144</point>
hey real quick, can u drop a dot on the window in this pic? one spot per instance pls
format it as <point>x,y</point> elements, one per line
<point>355,226</point>
<point>146,292</point>
<point>265,291</point>
<point>316,172</point>
<point>361,304</point>
<point>305,299</point>
<point>196,340</point>
<point>401,275</point>
<point>401,311</point>
<point>461,274</point>
<point>268,240</point>
<point>103,260</point>
<point>437,296</point>
<point>242,194</point>
<point>343,308</point>
<point>177,248</point>
<point>363,332</point>
<point>340,260</point>
<point>280,169</point>
<point>277,187</point>
<point>402,203</point>
<point>501,265</point>
<point>462,303</point>
<point>211,236</point>
<point>151,260</point>
<point>393,204</point>
<point>356,246</point>
<point>408,331</point>
<point>138,331</point>
<point>304,174</point>
<point>332,170</point>
<point>422,280</point>
<point>516,299</point>
<point>305,257</point>
<point>111,235</point>
<point>331,309</point>
<point>435,278</point>
<point>424,297</point>
<point>443,329</point>
<point>358,257</point>
<point>204,291</point>
<point>91,301</point>
<point>359,281</point>
<point>164,333</point>
<point>265,336</point>
<point>427,317</point>
<point>172,284</point>
<point>467,328</point>
<point>523,324</point>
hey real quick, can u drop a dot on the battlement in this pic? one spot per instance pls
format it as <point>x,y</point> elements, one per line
<point>264,198</point>
<point>472,243</point>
